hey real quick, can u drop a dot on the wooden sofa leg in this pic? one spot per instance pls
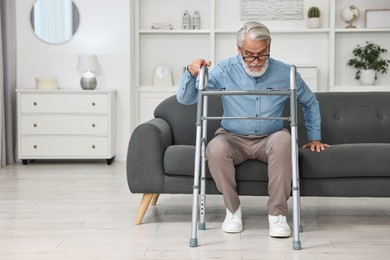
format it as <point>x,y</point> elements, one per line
<point>145,201</point>
<point>154,199</point>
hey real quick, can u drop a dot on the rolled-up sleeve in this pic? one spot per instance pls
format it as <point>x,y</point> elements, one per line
<point>311,111</point>
<point>187,92</point>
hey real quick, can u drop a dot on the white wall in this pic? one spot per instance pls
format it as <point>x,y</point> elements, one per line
<point>105,30</point>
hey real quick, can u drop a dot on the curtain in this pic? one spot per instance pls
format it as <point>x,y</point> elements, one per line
<point>7,82</point>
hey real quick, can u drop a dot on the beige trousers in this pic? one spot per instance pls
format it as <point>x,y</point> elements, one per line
<point>226,150</point>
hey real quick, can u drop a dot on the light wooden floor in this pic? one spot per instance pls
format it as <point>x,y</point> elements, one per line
<point>73,210</point>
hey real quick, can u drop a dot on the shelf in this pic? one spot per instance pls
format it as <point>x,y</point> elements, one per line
<point>362,30</point>
<point>173,31</point>
<point>309,31</point>
<point>288,31</point>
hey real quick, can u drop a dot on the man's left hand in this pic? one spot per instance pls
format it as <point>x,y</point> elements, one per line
<point>316,146</point>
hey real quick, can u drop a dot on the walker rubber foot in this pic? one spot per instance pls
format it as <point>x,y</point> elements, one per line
<point>193,242</point>
<point>202,226</point>
<point>297,245</point>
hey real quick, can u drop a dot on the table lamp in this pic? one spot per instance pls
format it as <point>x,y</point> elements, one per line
<point>87,64</point>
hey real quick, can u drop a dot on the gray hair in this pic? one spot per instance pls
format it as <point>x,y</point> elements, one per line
<point>255,31</point>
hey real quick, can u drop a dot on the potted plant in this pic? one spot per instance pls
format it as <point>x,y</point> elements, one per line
<point>368,62</point>
<point>314,17</point>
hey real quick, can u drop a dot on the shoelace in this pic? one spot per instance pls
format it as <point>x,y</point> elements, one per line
<point>278,219</point>
<point>235,216</point>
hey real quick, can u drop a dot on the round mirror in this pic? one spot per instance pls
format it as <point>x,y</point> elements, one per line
<point>54,21</point>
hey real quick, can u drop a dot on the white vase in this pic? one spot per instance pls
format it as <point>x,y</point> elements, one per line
<point>314,22</point>
<point>367,77</point>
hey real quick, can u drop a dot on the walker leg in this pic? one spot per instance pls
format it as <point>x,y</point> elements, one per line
<point>195,197</point>
<point>202,222</point>
<point>297,228</point>
<point>294,161</point>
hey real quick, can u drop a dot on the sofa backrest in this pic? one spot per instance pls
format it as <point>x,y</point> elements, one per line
<point>355,117</point>
<point>346,117</point>
<point>182,119</point>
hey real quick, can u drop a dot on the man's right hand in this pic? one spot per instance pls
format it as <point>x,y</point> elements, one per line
<point>194,67</point>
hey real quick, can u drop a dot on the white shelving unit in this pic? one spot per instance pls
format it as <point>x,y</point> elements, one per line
<point>342,41</point>
<point>327,49</point>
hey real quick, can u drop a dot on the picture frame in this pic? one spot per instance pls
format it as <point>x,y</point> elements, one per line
<point>271,10</point>
<point>377,18</point>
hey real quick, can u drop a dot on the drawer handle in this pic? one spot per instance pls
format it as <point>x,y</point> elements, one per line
<point>35,125</point>
<point>35,146</point>
<point>35,103</point>
<point>93,125</point>
<point>93,103</point>
<point>93,146</point>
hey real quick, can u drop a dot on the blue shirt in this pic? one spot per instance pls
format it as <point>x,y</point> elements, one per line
<point>229,74</point>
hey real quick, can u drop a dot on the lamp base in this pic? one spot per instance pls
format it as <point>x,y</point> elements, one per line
<point>88,81</point>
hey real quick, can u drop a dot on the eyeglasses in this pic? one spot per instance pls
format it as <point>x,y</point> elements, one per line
<point>253,58</point>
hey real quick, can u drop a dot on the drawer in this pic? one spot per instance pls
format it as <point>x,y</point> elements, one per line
<point>64,147</point>
<point>63,103</point>
<point>64,124</point>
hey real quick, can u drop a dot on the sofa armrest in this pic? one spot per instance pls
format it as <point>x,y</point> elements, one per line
<point>145,155</point>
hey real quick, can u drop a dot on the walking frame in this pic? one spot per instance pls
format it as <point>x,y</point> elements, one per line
<point>199,196</point>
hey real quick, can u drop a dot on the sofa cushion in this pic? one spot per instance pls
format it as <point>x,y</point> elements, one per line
<point>346,160</point>
<point>180,160</point>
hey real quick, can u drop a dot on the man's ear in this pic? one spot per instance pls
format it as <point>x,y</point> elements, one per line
<point>239,50</point>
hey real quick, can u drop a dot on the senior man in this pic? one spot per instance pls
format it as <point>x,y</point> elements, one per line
<point>265,140</point>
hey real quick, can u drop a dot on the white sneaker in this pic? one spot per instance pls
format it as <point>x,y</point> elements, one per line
<point>278,226</point>
<point>233,222</point>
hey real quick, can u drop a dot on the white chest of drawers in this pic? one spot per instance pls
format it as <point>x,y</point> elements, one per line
<point>66,124</point>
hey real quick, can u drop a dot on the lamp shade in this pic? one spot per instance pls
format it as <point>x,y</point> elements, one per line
<point>88,63</point>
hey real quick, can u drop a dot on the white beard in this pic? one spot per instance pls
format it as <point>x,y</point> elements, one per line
<point>257,73</point>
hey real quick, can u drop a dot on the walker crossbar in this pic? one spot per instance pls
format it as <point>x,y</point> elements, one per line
<point>201,140</point>
<point>245,118</point>
<point>268,92</point>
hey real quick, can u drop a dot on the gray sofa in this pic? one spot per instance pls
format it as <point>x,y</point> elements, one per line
<point>161,151</point>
